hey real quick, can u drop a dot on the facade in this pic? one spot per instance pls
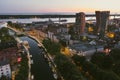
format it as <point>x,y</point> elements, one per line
<point>62,29</point>
<point>5,69</point>
<point>3,24</point>
<point>80,22</point>
<point>102,18</point>
<point>52,36</point>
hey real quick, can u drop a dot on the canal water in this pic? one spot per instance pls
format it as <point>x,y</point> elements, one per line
<point>40,68</point>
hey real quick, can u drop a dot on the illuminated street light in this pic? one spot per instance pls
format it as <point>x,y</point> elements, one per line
<point>110,35</point>
<point>90,29</point>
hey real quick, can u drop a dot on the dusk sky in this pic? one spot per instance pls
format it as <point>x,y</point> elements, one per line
<point>53,6</point>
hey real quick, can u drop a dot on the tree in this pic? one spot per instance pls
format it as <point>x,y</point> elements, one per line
<point>72,32</point>
<point>68,70</point>
<point>52,47</point>
<point>107,62</point>
<point>115,53</point>
<point>4,31</point>
<point>6,38</point>
<point>116,68</point>
<point>4,78</point>
<point>63,43</point>
<point>9,23</point>
<point>97,58</point>
<point>23,69</point>
<point>79,60</point>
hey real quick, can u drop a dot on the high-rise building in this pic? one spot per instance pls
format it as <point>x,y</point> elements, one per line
<point>102,18</point>
<point>80,22</point>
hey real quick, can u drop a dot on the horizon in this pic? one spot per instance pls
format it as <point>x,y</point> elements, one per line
<point>49,13</point>
<point>57,6</point>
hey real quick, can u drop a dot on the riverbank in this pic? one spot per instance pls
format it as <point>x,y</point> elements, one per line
<point>48,56</point>
<point>28,56</point>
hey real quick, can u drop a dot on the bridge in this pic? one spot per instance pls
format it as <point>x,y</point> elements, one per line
<point>47,16</point>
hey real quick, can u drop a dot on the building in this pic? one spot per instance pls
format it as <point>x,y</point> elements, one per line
<point>3,24</point>
<point>80,22</point>
<point>63,28</point>
<point>102,18</point>
<point>52,36</point>
<point>5,69</point>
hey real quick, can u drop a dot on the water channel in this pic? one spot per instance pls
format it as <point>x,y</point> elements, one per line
<point>40,68</point>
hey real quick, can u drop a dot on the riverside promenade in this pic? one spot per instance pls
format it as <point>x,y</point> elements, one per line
<point>48,56</point>
<point>28,54</point>
<point>56,74</point>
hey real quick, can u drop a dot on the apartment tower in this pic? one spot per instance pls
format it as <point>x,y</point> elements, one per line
<point>102,18</point>
<point>80,22</point>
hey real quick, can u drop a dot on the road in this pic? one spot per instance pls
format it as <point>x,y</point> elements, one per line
<point>40,68</point>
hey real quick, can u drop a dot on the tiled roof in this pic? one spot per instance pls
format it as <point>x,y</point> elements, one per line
<point>2,63</point>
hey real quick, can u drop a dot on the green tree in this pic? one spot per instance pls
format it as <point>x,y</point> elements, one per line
<point>68,70</point>
<point>63,43</point>
<point>9,23</point>
<point>5,39</point>
<point>115,53</point>
<point>79,60</point>
<point>116,68</point>
<point>4,78</point>
<point>98,58</point>
<point>72,32</point>
<point>52,47</point>
<point>107,62</point>
<point>4,31</point>
<point>23,69</point>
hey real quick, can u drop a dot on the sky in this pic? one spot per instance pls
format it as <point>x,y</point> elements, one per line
<point>58,6</point>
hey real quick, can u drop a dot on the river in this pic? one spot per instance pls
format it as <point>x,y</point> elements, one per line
<point>40,68</point>
<point>30,20</point>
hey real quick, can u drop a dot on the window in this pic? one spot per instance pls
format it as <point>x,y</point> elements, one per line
<point>2,73</point>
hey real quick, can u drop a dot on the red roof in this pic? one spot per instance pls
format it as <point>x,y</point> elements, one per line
<point>8,54</point>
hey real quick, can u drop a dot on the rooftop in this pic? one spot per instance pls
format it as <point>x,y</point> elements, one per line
<point>2,63</point>
<point>8,54</point>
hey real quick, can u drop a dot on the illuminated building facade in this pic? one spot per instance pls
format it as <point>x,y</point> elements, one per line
<point>102,18</point>
<point>80,22</point>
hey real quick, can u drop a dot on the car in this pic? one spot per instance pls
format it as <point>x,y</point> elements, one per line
<point>32,77</point>
<point>31,56</point>
<point>55,75</point>
<point>39,45</point>
<point>31,61</point>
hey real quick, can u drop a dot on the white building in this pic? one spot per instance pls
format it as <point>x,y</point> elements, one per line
<point>52,36</point>
<point>3,24</point>
<point>5,69</point>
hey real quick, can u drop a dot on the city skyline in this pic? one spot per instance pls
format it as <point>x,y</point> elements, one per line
<point>57,6</point>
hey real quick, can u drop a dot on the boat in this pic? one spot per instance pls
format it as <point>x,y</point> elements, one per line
<point>39,45</point>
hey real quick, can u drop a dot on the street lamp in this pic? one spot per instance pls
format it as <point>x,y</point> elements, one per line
<point>95,47</point>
